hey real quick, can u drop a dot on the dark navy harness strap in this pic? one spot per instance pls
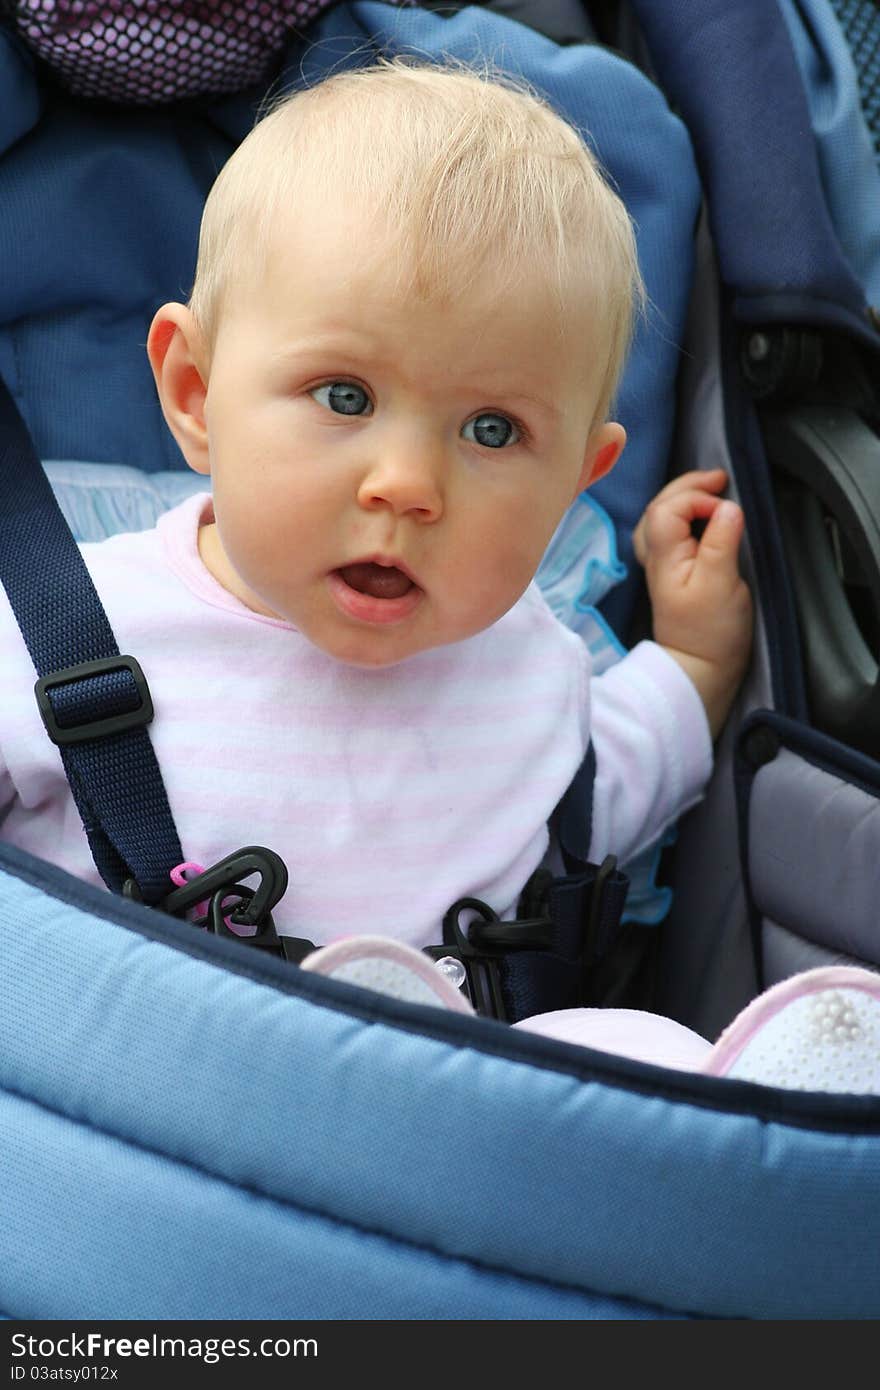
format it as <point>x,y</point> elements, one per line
<point>585,907</point>
<point>572,820</point>
<point>97,715</point>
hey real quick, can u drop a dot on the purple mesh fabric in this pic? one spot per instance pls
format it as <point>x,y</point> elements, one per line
<point>148,52</point>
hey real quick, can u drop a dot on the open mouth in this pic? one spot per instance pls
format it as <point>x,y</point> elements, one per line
<point>378,581</point>
<point>374,593</point>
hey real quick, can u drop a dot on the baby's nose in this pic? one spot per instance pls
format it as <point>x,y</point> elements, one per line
<point>408,482</point>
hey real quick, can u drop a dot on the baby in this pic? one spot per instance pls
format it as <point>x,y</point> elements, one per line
<point>413,299</point>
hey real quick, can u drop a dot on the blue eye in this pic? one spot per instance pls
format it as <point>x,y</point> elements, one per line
<point>492,431</point>
<point>343,397</point>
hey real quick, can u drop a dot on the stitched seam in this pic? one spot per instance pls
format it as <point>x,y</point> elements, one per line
<point>345,1223</point>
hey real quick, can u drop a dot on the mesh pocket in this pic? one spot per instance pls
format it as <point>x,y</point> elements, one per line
<point>860,22</point>
<point>149,52</point>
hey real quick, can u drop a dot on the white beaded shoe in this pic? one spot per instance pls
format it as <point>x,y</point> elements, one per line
<point>389,967</point>
<point>817,1031</point>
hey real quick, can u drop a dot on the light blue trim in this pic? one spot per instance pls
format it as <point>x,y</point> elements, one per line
<point>615,566</point>
<point>578,536</point>
<point>580,567</point>
<point>609,641</point>
<point>106,499</point>
<point>647,902</point>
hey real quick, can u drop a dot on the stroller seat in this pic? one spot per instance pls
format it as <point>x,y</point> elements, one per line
<point>282,1144</point>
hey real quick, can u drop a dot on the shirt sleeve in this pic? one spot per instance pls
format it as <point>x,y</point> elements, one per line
<point>653,750</point>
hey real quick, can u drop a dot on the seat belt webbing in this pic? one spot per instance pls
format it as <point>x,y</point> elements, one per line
<point>96,715</point>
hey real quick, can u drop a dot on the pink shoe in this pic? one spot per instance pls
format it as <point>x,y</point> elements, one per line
<point>634,1033</point>
<point>389,967</point>
<point>816,1031</point>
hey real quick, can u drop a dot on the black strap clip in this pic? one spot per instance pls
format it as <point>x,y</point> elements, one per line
<point>544,959</point>
<point>603,918</point>
<point>481,948</point>
<point>232,903</point>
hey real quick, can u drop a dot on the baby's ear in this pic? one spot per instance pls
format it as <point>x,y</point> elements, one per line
<point>176,351</point>
<point>604,447</point>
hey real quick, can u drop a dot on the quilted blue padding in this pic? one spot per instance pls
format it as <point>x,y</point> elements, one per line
<point>178,1140</point>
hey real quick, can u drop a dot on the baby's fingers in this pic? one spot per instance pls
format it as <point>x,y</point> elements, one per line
<point>702,479</point>
<point>665,532</point>
<point>719,545</point>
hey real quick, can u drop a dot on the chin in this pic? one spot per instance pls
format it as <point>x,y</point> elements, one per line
<point>370,660</point>
<point>371,651</point>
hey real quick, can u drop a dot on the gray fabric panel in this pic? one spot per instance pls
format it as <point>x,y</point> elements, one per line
<point>814,853</point>
<point>784,954</point>
<point>706,972</point>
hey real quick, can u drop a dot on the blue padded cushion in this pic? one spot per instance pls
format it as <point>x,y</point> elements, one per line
<point>180,1140</point>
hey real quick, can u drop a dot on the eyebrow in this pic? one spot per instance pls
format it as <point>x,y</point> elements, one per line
<point>330,344</point>
<point>552,410</point>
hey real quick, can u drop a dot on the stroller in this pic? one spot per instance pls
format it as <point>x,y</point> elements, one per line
<point>190,1128</point>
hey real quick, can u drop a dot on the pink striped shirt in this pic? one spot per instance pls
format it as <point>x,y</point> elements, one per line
<point>388,793</point>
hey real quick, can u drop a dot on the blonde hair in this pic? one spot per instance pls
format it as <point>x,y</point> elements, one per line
<point>468,170</point>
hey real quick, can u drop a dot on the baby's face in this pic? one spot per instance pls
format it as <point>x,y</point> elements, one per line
<point>387,472</point>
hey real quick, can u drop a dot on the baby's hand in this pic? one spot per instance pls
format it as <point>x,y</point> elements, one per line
<point>702,608</point>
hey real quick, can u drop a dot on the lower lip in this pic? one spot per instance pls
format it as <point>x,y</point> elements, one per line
<point>367,609</point>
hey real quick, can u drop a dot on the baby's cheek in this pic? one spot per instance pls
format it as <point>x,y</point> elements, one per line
<point>506,577</point>
<point>521,550</point>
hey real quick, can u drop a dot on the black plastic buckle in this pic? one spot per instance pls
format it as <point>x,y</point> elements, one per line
<point>482,947</point>
<point>64,734</point>
<point>265,937</point>
<point>222,877</point>
<point>220,882</point>
<point>606,870</point>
